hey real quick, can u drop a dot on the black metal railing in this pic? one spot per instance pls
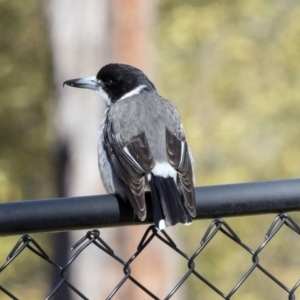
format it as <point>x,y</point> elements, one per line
<point>108,210</point>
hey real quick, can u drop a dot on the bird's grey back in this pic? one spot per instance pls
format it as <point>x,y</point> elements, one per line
<point>149,113</point>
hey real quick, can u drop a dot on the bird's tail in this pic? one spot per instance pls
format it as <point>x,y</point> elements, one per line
<point>168,205</point>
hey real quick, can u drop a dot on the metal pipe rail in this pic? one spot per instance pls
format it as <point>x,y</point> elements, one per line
<point>62,214</point>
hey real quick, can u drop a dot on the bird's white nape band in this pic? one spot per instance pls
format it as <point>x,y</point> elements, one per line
<point>135,91</point>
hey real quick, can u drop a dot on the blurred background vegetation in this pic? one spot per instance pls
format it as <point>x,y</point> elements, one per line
<point>232,69</point>
<point>26,149</point>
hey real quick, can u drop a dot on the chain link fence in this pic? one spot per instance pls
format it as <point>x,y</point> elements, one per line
<point>193,267</point>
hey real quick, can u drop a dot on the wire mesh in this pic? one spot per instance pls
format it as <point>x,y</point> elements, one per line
<point>193,269</point>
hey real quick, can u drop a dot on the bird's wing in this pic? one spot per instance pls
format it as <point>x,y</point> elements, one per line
<point>180,159</point>
<point>132,159</point>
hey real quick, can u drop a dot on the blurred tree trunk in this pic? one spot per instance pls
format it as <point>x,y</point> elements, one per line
<point>133,44</point>
<point>84,37</point>
<point>79,32</point>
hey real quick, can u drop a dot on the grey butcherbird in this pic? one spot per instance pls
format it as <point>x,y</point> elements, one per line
<point>141,145</point>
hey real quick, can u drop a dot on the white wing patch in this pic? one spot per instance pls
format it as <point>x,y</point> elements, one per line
<point>133,160</point>
<point>182,152</point>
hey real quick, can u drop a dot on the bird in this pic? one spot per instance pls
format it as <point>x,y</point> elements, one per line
<point>142,145</point>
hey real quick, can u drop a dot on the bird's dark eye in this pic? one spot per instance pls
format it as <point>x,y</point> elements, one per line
<point>108,81</point>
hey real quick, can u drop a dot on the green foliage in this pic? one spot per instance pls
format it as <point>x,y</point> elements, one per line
<point>25,149</point>
<point>25,73</point>
<point>232,68</point>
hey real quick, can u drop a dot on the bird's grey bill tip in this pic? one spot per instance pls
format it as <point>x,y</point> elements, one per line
<point>83,83</point>
<point>67,82</point>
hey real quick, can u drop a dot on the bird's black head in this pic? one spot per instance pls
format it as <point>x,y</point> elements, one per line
<point>117,80</point>
<point>114,82</point>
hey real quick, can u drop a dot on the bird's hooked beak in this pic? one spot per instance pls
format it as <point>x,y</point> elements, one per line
<point>84,83</point>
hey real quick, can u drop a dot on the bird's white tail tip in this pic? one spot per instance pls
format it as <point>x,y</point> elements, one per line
<point>162,224</point>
